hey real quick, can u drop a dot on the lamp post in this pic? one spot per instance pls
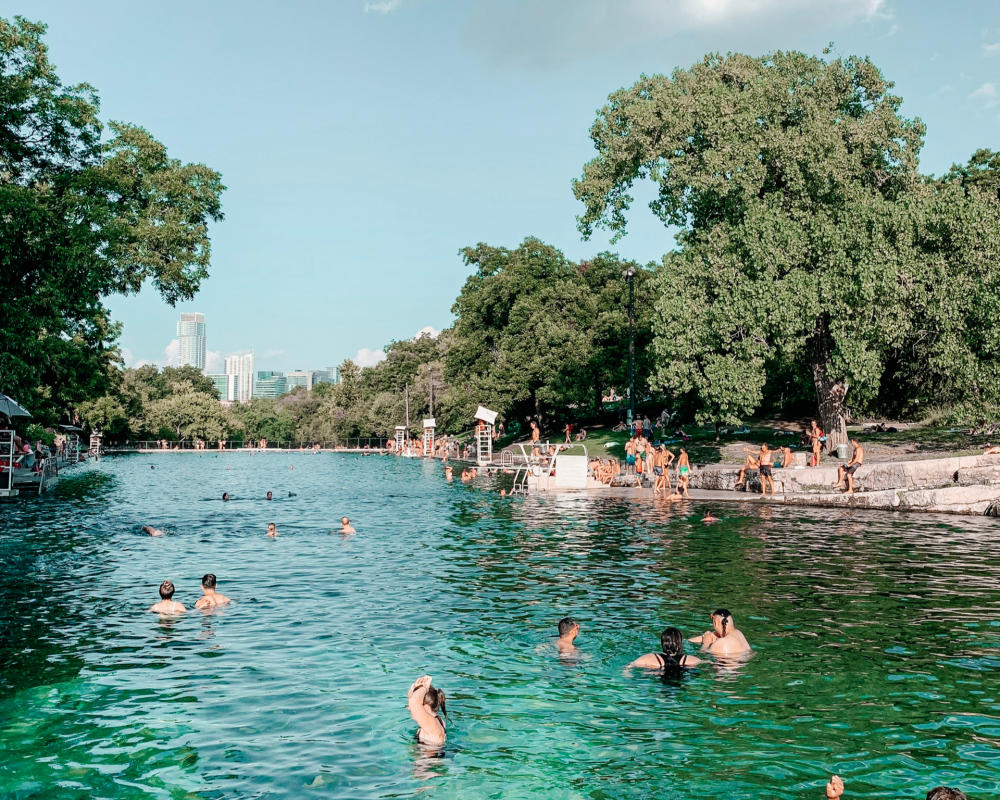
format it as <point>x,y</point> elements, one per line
<point>629,275</point>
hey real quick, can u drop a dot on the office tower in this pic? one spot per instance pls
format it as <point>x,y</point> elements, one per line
<point>269,384</point>
<point>328,375</point>
<point>225,385</point>
<point>191,335</point>
<point>300,377</point>
<point>242,368</point>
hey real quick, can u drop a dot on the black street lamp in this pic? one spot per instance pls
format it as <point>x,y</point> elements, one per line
<point>629,275</point>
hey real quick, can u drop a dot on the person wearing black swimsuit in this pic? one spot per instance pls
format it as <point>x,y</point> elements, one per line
<point>671,656</point>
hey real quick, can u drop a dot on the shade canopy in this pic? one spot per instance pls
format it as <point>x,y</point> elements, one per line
<point>12,408</point>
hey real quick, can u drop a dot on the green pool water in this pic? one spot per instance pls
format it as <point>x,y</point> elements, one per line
<point>876,641</point>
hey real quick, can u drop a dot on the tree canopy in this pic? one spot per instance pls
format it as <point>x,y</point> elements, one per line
<point>807,238</point>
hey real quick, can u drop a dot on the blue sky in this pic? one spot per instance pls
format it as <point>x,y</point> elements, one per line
<point>364,143</point>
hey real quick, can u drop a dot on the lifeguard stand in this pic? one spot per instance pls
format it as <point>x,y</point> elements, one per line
<point>400,438</point>
<point>95,445</point>
<point>485,419</point>
<point>429,436</point>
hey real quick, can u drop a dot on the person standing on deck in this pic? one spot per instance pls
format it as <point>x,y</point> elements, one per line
<point>683,473</point>
<point>815,436</point>
<point>536,434</point>
<point>765,460</point>
<point>568,430</point>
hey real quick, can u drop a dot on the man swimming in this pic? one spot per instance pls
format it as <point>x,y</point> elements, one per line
<point>210,598</point>
<point>569,629</point>
<point>269,496</point>
<point>725,639</point>
<point>167,604</point>
<point>271,530</point>
<point>345,526</point>
<point>709,517</point>
<point>151,530</point>
<point>847,471</point>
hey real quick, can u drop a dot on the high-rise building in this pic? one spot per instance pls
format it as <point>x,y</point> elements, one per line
<point>328,375</point>
<point>300,377</point>
<point>191,334</point>
<point>242,368</point>
<point>269,384</point>
<point>225,385</point>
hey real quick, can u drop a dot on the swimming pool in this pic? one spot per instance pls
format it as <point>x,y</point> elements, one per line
<point>876,640</point>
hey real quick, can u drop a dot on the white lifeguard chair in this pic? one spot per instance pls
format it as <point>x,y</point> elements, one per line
<point>95,445</point>
<point>485,420</point>
<point>429,436</point>
<point>400,438</point>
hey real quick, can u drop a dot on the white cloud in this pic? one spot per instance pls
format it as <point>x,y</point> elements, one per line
<point>991,48</point>
<point>367,357</point>
<point>381,6</point>
<point>427,330</point>
<point>215,362</point>
<point>986,94</point>
<point>172,353</point>
<point>545,31</point>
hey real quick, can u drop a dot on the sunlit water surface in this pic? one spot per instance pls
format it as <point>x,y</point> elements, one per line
<point>876,639</point>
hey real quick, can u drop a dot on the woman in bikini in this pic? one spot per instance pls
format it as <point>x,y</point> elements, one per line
<point>671,656</point>
<point>424,702</point>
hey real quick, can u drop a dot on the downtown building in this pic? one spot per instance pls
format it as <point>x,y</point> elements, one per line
<point>191,336</point>
<point>239,379</point>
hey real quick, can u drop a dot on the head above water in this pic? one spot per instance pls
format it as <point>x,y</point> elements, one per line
<point>946,793</point>
<point>269,495</point>
<point>566,625</point>
<point>208,581</point>
<point>345,521</point>
<point>270,527</point>
<point>167,590</point>
<point>225,495</point>
<point>722,621</point>
<point>672,642</point>
<point>434,699</point>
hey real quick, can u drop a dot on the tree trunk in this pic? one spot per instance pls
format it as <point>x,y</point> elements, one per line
<point>830,392</point>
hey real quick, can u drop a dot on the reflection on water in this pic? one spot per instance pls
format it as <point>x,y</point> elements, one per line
<point>876,637</point>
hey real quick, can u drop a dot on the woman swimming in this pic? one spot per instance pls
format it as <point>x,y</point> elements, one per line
<point>424,702</point>
<point>671,655</point>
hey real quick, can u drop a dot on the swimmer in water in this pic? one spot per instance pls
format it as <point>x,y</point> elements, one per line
<point>709,517</point>
<point>210,598</point>
<point>671,655</point>
<point>269,496</point>
<point>167,604</point>
<point>151,530</point>
<point>503,492</point>
<point>569,629</point>
<point>725,639</point>
<point>270,530</point>
<point>345,526</point>
<point>225,495</point>
<point>424,702</point>
<point>448,474</point>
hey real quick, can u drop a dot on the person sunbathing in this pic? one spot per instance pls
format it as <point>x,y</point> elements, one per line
<point>752,463</point>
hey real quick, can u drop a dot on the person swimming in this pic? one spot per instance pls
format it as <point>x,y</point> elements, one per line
<point>424,702</point>
<point>569,629</point>
<point>167,604</point>
<point>225,495</point>
<point>345,526</point>
<point>271,530</point>
<point>671,656</point>
<point>151,530</point>
<point>269,496</point>
<point>725,639</point>
<point>210,598</point>
<point>709,517</point>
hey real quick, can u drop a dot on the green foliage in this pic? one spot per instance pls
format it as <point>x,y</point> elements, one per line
<point>84,215</point>
<point>807,239</point>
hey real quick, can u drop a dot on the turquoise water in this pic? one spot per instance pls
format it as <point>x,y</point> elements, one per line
<point>877,641</point>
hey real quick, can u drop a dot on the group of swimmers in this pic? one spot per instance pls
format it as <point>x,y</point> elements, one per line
<point>210,597</point>
<point>426,703</point>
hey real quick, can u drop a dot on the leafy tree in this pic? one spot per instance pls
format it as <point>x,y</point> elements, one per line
<point>87,213</point>
<point>788,178</point>
<point>262,419</point>
<point>187,414</point>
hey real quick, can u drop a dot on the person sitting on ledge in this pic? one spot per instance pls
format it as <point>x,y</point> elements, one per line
<point>835,788</point>
<point>991,450</point>
<point>751,463</point>
<point>847,471</point>
<point>671,656</point>
<point>725,639</point>
<point>569,629</point>
<point>167,604</point>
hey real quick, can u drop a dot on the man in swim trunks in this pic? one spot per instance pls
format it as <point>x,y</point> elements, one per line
<point>569,629</point>
<point>683,473</point>
<point>167,604</point>
<point>847,471</point>
<point>630,447</point>
<point>724,639</point>
<point>210,598</point>
<point>345,526</point>
<point>764,461</point>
